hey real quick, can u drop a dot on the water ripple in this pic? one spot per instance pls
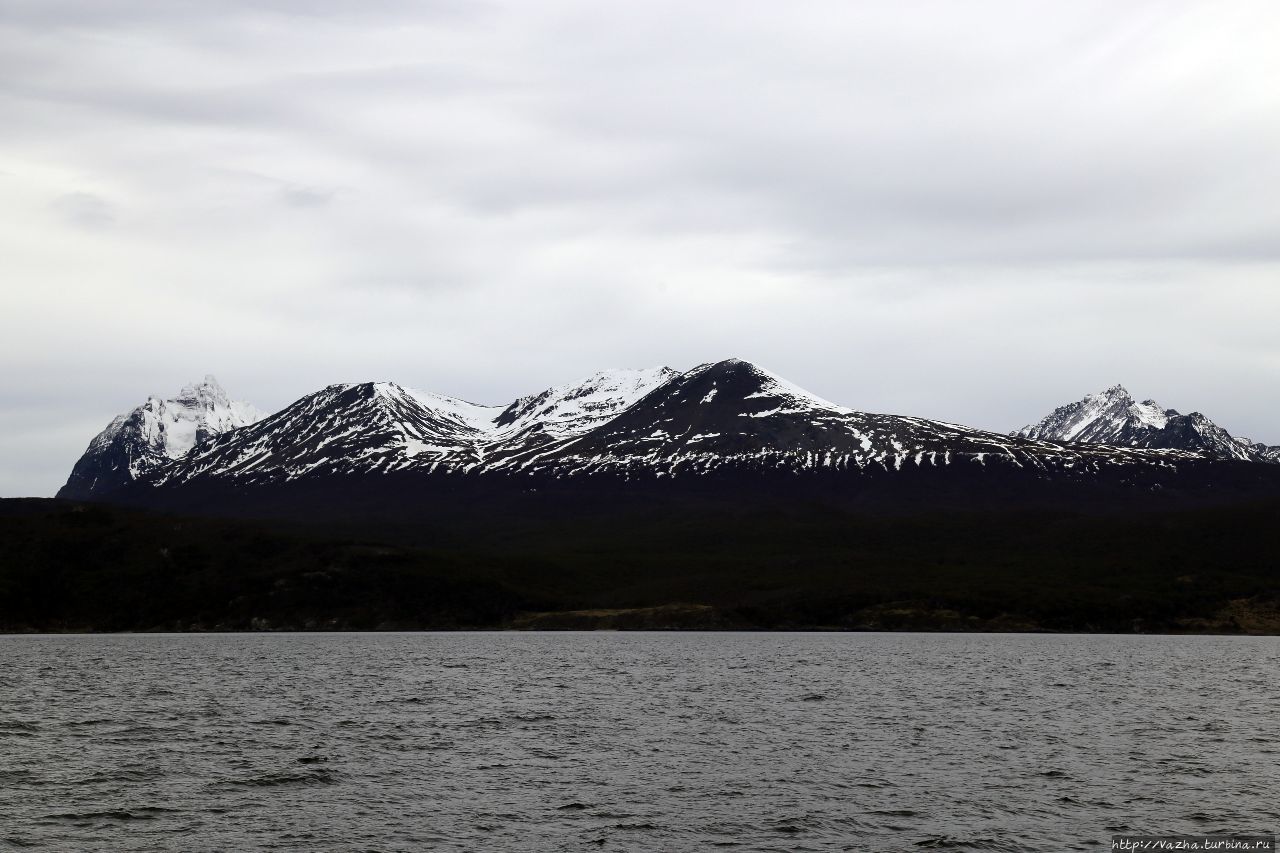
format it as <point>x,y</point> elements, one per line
<point>631,742</point>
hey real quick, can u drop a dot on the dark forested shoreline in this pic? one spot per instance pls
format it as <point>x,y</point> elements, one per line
<point>71,567</point>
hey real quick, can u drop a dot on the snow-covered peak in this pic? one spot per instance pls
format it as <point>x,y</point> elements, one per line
<point>1096,418</point>
<point>1151,414</point>
<point>160,430</point>
<point>200,410</point>
<point>1116,401</point>
<point>577,407</point>
<point>207,392</point>
<point>1113,417</point>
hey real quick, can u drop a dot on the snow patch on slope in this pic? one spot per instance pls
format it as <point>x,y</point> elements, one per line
<point>576,408</point>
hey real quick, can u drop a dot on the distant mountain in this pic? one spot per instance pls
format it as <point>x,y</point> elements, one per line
<point>728,429</point>
<point>381,428</point>
<point>153,435</point>
<point>1113,417</point>
<point>735,416</point>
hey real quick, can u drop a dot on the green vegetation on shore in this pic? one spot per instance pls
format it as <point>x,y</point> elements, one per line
<point>85,567</point>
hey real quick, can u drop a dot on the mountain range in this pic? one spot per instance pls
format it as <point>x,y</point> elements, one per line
<point>730,427</point>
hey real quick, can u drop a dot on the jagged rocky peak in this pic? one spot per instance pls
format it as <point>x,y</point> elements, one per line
<point>1113,417</point>
<point>207,392</point>
<point>1102,418</point>
<point>160,430</point>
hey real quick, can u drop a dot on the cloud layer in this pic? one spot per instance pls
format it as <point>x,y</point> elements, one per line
<point>973,212</point>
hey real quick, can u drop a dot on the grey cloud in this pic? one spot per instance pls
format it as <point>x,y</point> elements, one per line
<point>85,210</point>
<point>306,197</point>
<point>87,14</point>
<point>969,213</point>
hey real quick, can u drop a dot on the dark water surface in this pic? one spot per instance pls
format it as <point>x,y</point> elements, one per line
<point>639,742</point>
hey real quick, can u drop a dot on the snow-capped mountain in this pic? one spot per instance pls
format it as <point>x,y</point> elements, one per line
<point>381,427</point>
<point>730,422</point>
<point>154,435</point>
<point>1113,417</point>
<point>727,416</point>
<point>735,416</point>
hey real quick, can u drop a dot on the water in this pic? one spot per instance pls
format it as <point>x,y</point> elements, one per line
<point>632,742</point>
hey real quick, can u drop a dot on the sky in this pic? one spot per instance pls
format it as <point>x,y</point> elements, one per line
<point>969,211</point>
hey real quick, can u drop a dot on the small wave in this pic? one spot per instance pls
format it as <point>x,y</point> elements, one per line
<point>402,700</point>
<point>144,813</point>
<point>139,774</point>
<point>946,842</point>
<point>319,776</point>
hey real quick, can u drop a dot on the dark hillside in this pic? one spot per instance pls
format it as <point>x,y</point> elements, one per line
<point>67,566</point>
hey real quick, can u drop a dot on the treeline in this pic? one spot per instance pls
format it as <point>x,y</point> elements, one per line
<point>87,567</point>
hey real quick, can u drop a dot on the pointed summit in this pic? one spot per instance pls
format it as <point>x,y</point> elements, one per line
<point>1094,418</point>
<point>1113,417</point>
<point>209,382</point>
<point>752,382</point>
<point>153,434</point>
<point>206,393</point>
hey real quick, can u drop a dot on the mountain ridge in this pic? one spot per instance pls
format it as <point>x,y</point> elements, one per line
<point>716,423</point>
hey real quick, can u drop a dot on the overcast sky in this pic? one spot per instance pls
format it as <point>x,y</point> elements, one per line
<point>971,211</point>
